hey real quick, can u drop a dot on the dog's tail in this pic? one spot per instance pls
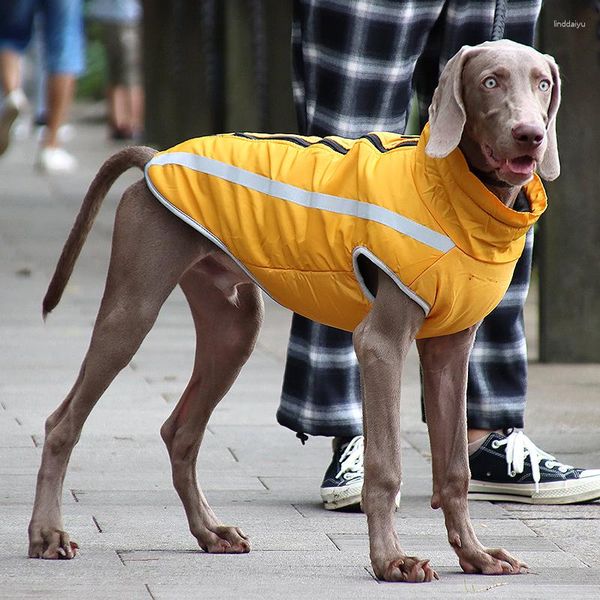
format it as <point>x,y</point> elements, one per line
<point>133,156</point>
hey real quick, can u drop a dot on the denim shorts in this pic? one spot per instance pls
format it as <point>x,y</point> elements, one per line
<point>62,29</point>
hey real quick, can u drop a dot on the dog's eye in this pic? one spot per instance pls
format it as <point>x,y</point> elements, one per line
<point>490,83</point>
<point>544,85</point>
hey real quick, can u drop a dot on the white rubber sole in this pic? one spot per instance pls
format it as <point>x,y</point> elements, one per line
<point>560,492</point>
<point>335,498</point>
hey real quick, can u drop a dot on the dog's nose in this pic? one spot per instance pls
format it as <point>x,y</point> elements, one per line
<point>527,134</point>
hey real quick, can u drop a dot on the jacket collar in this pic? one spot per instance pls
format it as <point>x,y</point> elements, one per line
<point>474,218</point>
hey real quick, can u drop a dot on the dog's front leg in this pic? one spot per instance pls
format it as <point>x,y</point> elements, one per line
<point>445,361</point>
<point>381,342</point>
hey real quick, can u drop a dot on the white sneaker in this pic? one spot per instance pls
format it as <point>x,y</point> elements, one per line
<point>55,160</point>
<point>64,135</point>
<point>343,481</point>
<point>13,104</point>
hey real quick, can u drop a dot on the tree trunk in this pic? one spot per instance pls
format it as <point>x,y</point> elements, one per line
<point>569,240</point>
<point>214,66</point>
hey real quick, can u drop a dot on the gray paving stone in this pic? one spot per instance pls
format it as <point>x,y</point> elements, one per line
<point>182,561</point>
<point>19,489</point>
<point>572,512</point>
<point>75,591</point>
<point>422,542</point>
<point>315,584</point>
<point>14,439</point>
<point>578,537</point>
<point>119,503</point>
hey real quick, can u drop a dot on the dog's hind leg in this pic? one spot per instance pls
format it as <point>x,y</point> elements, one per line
<point>227,326</point>
<point>142,274</point>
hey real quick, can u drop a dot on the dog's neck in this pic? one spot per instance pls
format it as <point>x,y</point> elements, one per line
<point>505,192</point>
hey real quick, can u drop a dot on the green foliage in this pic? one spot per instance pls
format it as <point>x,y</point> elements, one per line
<point>92,83</point>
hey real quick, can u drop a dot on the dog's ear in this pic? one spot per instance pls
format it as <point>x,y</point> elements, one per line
<point>549,168</point>
<point>447,115</point>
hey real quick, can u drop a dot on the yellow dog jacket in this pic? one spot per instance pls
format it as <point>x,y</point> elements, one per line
<point>296,213</point>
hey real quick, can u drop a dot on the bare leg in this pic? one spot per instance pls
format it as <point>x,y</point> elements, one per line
<point>126,108</point>
<point>476,434</point>
<point>117,107</point>
<point>131,302</point>
<point>61,88</point>
<point>10,70</point>
<point>445,362</point>
<point>382,341</point>
<point>225,336</point>
<point>135,95</point>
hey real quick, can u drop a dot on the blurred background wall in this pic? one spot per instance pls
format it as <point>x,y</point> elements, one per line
<point>568,243</point>
<point>217,65</point>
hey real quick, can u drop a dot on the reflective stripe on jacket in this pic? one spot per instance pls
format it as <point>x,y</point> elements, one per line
<point>297,213</point>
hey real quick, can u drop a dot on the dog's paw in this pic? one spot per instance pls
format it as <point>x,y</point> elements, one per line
<point>51,544</point>
<point>406,568</point>
<point>492,561</point>
<point>224,539</point>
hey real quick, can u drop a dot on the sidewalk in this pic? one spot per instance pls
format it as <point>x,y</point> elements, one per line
<point>118,500</point>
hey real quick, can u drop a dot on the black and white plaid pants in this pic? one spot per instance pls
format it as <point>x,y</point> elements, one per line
<point>357,64</point>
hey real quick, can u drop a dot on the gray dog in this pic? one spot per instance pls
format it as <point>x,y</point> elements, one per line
<point>426,258</point>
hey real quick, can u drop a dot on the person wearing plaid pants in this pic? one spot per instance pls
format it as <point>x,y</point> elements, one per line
<point>356,65</point>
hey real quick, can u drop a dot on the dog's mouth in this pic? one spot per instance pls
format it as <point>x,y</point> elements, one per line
<point>521,165</point>
<point>518,166</point>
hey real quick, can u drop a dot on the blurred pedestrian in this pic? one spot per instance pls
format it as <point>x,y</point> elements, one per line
<point>62,26</point>
<point>120,33</point>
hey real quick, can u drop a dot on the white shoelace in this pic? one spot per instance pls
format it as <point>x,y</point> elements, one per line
<point>518,447</point>
<point>351,461</point>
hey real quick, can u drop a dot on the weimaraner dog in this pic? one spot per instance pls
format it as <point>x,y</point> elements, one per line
<point>497,104</point>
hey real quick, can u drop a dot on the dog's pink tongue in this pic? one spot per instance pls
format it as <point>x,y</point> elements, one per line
<point>522,165</point>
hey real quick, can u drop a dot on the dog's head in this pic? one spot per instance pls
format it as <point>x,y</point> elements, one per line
<point>498,100</point>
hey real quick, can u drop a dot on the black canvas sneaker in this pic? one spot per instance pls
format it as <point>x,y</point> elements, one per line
<point>511,468</point>
<point>343,481</point>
